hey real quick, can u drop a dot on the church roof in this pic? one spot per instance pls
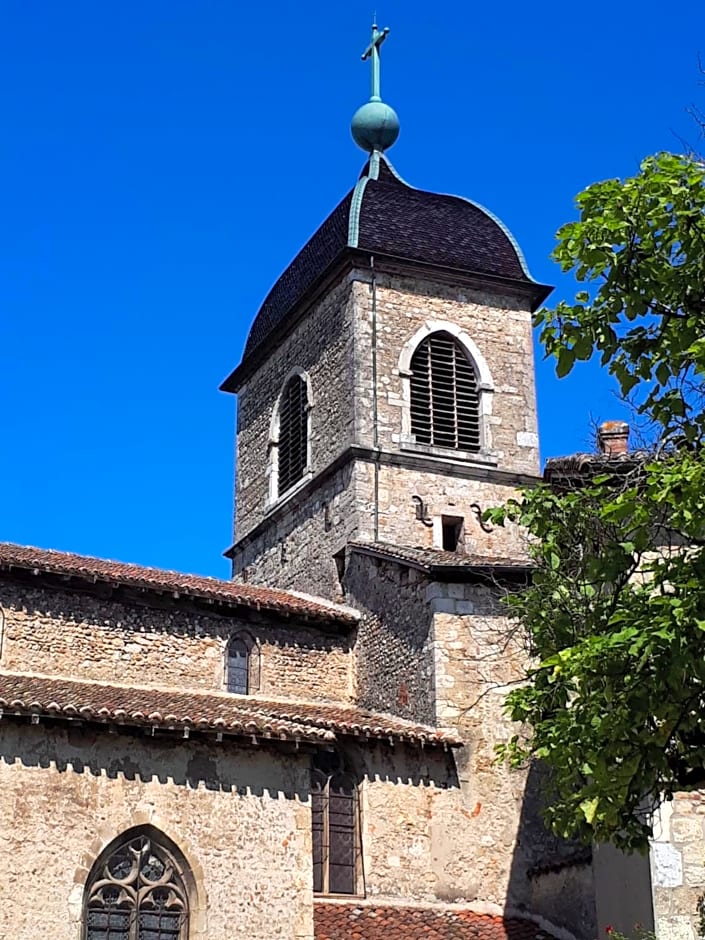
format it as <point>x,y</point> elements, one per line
<point>45,561</point>
<point>440,564</point>
<point>359,921</point>
<point>386,217</point>
<point>206,712</point>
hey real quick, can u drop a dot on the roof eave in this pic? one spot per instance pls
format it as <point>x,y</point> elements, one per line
<point>57,580</point>
<point>535,292</point>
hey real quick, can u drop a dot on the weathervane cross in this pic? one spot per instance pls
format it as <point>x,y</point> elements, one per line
<point>372,52</point>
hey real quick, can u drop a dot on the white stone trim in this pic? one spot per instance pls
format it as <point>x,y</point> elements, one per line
<point>272,471</point>
<point>485,382</point>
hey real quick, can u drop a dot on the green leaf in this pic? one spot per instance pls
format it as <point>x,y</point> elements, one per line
<point>566,359</point>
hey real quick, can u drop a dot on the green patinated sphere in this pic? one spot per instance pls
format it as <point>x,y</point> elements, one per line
<point>375,126</point>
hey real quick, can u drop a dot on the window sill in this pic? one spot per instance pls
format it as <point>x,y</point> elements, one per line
<point>326,895</point>
<point>485,459</point>
<point>271,505</point>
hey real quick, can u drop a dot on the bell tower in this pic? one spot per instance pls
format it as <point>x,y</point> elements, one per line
<point>386,392</point>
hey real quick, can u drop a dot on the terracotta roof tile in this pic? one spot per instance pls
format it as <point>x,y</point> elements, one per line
<point>366,921</point>
<point>41,560</point>
<point>587,465</point>
<point>427,559</point>
<point>233,715</point>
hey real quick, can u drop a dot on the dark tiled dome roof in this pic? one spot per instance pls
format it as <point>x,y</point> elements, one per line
<point>385,216</point>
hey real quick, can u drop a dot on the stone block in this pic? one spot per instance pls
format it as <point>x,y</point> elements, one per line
<point>667,865</point>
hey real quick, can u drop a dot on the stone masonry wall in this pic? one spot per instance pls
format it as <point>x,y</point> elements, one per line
<point>77,635</point>
<point>322,345</point>
<point>444,495</point>
<point>678,866</point>
<point>479,654</point>
<point>296,550</point>
<point>241,817</point>
<point>64,795</point>
<point>394,665</point>
<point>334,344</point>
<point>499,325</point>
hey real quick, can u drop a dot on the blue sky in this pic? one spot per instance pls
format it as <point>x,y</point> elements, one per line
<point>162,161</point>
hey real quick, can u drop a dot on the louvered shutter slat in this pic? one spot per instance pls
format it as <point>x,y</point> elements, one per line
<point>293,433</point>
<point>445,404</point>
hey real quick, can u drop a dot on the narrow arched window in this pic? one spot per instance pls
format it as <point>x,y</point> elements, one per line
<point>242,664</point>
<point>445,401</point>
<point>335,823</point>
<point>136,892</point>
<point>293,433</point>
<point>238,666</point>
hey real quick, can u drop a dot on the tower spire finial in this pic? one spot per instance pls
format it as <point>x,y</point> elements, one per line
<point>372,52</point>
<point>375,126</point>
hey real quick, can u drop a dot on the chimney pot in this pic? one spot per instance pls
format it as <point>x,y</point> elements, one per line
<point>613,438</point>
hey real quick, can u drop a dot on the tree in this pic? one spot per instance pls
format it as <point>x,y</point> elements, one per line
<point>614,701</point>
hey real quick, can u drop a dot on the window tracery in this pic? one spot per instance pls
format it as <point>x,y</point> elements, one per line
<point>136,893</point>
<point>335,821</point>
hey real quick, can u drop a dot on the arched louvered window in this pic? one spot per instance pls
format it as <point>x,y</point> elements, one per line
<point>293,433</point>
<point>445,401</point>
<point>136,892</point>
<point>335,822</point>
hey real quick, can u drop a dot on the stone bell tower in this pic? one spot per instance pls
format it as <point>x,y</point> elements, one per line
<point>386,392</point>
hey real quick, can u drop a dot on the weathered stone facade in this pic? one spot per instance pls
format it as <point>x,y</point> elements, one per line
<point>362,478</point>
<point>78,635</point>
<point>78,790</point>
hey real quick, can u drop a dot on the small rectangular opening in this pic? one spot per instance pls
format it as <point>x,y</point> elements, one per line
<point>452,533</point>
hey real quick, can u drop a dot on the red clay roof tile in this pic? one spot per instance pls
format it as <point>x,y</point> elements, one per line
<point>365,921</point>
<point>428,559</point>
<point>233,715</point>
<point>48,561</point>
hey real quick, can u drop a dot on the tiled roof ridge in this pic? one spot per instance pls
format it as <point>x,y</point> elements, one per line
<point>53,561</point>
<point>583,458</point>
<point>374,919</point>
<point>205,710</point>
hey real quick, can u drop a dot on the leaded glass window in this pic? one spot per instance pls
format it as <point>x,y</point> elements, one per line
<point>136,893</point>
<point>336,832</point>
<point>445,400</point>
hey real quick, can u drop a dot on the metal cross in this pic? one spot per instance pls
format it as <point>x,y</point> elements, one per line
<point>372,51</point>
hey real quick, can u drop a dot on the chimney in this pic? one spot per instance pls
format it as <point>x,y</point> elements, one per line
<point>613,438</point>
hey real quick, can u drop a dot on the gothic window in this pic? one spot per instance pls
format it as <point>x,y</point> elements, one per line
<point>242,664</point>
<point>445,401</point>
<point>293,433</point>
<point>137,892</point>
<point>335,824</point>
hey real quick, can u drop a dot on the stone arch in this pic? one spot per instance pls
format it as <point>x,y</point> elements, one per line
<point>485,382</point>
<point>274,427</point>
<point>108,841</point>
